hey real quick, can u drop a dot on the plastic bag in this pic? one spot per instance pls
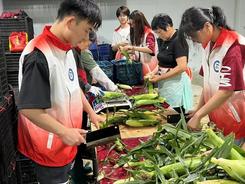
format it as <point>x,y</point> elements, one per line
<point>17,41</point>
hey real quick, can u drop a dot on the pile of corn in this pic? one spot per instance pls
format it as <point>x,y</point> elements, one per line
<point>174,155</point>
<point>133,118</point>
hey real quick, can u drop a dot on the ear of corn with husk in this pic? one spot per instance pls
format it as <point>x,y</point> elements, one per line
<point>156,101</point>
<point>141,122</point>
<point>110,95</point>
<point>124,86</point>
<point>218,181</point>
<point>144,97</point>
<point>235,168</point>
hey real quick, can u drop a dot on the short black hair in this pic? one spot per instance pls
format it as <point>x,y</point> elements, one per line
<point>82,10</point>
<point>161,21</point>
<point>124,10</point>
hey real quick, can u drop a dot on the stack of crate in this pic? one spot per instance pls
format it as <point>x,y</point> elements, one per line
<point>7,26</point>
<point>8,140</point>
<point>3,75</point>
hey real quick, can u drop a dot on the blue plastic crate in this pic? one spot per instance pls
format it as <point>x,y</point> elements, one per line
<point>130,74</point>
<point>107,67</point>
<point>101,52</point>
<point>105,52</point>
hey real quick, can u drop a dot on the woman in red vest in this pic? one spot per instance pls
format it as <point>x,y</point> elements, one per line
<point>143,44</point>
<point>223,97</point>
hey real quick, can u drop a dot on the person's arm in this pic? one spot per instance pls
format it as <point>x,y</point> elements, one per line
<point>132,49</point>
<point>218,99</point>
<point>95,119</point>
<point>103,79</point>
<point>181,58</point>
<point>214,102</point>
<point>181,67</point>
<point>69,136</point>
<point>150,48</point>
<point>116,46</point>
<point>201,101</point>
<point>95,71</point>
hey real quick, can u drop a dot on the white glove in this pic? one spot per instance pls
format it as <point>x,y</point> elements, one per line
<point>96,91</point>
<point>102,79</point>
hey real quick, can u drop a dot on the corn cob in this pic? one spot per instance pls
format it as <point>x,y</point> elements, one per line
<point>148,102</point>
<point>146,164</point>
<point>178,167</point>
<point>115,119</point>
<point>218,142</point>
<point>144,97</point>
<point>123,181</point>
<point>142,115</point>
<point>124,86</point>
<point>235,168</point>
<point>218,181</point>
<point>110,95</point>
<point>150,87</point>
<point>119,145</point>
<point>141,122</point>
<point>126,54</point>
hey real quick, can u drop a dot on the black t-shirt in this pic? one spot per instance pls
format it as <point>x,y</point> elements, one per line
<point>169,51</point>
<point>35,87</point>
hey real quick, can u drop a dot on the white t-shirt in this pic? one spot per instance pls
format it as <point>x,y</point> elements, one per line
<point>121,35</point>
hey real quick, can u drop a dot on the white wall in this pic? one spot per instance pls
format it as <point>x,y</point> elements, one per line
<point>175,9</point>
<point>240,17</point>
<point>233,9</point>
<point>1,6</point>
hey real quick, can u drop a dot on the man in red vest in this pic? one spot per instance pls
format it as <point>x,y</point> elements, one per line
<point>51,102</point>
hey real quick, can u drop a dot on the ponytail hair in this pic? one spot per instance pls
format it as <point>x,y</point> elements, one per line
<point>219,18</point>
<point>193,20</point>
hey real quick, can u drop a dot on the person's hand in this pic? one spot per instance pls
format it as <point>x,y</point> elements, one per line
<point>122,44</point>
<point>191,113</point>
<point>148,76</point>
<point>243,146</point>
<point>95,91</point>
<point>126,47</point>
<point>73,136</point>
<point>96,119</point>
<point>154,78</point>
<point>194,123</point>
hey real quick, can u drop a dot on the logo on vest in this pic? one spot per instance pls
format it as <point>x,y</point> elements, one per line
<point>71,74</point>
<point>216,66</point>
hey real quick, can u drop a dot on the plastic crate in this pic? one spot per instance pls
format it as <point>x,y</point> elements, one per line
<point>8,152</point>
<point>3,83</point>
<point>13,78</point>
<point>25,170</point>
<point>8,140</point>
<point>5,40</point>
<point>7,179</point>
<point>105,52</point>
<point>101,52</point>
<point>9,25</point>
<point>130,74</point>
<point>12,61</point>
<point>3,74</point>
<point>2,62</point>
<point>107,68</point>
